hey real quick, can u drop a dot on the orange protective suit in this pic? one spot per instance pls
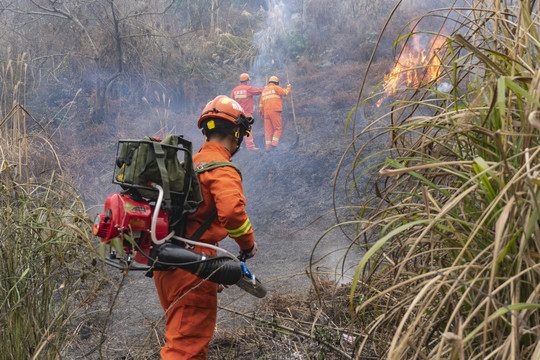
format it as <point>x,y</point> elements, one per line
<point>190,302</point>
<point>270,106</point>
<point>243,94</point>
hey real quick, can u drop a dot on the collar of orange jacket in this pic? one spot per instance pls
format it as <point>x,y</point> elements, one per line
<point>214,146</point>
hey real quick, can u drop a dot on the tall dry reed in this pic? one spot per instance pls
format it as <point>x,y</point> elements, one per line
<point>13,83</point>
<point>452,242</point>
<point>45,250</point>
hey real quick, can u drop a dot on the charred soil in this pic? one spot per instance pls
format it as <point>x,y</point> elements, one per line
<point>290,198</point>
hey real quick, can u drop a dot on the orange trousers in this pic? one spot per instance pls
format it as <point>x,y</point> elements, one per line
<point>272,128</point>
<point>190,320</point>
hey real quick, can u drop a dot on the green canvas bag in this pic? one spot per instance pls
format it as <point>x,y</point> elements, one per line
<point>140,162</point>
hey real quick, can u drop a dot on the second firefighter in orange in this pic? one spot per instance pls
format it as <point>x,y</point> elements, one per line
<point>271,106</point>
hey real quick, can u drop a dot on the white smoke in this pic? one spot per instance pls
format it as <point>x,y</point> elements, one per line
<point>271,39</point>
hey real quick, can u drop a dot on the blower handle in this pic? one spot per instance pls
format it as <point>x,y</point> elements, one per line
<point>243,255</point>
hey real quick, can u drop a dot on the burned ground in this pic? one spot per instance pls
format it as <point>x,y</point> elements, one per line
<point>290,198</point>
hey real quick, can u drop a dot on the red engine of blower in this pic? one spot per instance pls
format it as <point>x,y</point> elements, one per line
<point>122,216</point>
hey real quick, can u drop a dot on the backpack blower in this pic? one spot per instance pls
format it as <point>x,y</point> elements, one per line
<point>142,236</point>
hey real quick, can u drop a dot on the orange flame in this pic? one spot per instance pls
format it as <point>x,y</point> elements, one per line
<point>416,66</point>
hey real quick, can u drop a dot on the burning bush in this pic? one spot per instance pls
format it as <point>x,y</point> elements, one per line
<point>417,66</point>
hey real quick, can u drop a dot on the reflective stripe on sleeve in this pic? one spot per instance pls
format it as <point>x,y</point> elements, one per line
<point>242,230</point>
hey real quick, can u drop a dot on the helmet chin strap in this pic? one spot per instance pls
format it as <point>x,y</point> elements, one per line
<point>239,137</point>
<point>244,128</point>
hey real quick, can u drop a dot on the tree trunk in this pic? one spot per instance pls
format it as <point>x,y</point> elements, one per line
<point>212,20</point>
<point>304,10</point>
<point>214,16</point>
<point>98,114</point>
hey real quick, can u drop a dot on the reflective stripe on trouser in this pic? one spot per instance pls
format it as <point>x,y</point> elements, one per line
<point>191,321</point>
<point>272,127</point>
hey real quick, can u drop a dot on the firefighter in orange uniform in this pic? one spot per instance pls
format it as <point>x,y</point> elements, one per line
<point>270,107</point>
<point>243,94</point>
<point>190,302</point>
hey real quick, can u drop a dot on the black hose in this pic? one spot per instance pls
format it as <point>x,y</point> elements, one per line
<point>154,261</point>
<point>221,270</point>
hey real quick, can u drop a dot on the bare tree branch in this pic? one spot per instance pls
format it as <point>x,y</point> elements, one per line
<point>136,15</point>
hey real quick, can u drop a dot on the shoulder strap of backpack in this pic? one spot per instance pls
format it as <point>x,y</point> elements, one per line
<point>204,226</point>
<point>209,166</point>
<point>191,183</point>
<point>160,159</point>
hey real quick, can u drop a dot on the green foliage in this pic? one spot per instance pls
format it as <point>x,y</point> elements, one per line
<point>296,44</point>
<point>44,241</point>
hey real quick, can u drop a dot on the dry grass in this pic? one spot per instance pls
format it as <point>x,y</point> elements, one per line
<point>13,82</point>
<point>451,234</point>
<point>45,277</point>
<point>294,326</point>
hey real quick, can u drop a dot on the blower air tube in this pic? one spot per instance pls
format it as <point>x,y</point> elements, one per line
<point>220,270</point>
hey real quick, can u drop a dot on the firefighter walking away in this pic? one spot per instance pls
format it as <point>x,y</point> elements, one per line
<point>270,107</point>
